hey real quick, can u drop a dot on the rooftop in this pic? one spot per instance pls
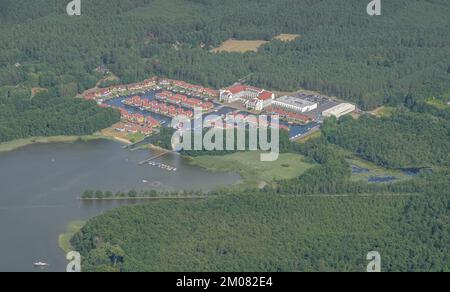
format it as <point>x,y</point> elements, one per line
<point>291,100</point>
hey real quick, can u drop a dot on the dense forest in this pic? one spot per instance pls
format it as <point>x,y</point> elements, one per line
<point>403,140</point>
<point>271,233</point>
<point>47,115</point>
<point>403,54</point>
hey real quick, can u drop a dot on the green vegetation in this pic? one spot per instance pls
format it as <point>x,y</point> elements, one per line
<point>271,233</point>
<point>253,171</point>
<point>371,170</point>
<point>133,138</point>
<point>46,115</point>
<point>403,140</point>
<point>64,239</point>
<point>140,195</point>
<point>391,59</point>
<point>15,144</point>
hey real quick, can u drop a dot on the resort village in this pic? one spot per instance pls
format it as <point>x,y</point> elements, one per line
<point>152,103</point>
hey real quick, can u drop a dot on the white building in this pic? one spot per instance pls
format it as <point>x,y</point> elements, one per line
<point>251,97</point>
<point>339,110</point>
<point>294,104</point>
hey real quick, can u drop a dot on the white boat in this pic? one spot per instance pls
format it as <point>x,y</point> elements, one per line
<point>40,265</point>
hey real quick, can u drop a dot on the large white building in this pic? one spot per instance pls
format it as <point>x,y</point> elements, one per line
<point>294,104</point>
<point>251,97</point>
<point>339,110</point>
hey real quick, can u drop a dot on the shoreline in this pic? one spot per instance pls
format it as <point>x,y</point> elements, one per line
<point>19,143</point>
<point>145,198</point>
<point>64,238</point>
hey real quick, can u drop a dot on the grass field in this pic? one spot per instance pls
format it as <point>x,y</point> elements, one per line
<point>253,171</point>
<point>239,46</point>
<point>64,239</point>
<point>286,37</point>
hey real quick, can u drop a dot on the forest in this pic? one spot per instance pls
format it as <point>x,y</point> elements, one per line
<point>46,115</point>
<point>299,234</point>
<point>403,140</point>
<point>403,54</point>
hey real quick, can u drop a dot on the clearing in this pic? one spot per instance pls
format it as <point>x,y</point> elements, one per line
<point>239,46</point>
<point>287,37</point>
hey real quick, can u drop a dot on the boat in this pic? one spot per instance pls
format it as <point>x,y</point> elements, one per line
<point>40,265</point>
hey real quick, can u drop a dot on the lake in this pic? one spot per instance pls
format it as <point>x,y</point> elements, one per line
<point>40,185</point>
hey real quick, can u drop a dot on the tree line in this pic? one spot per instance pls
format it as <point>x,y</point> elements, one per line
<point>390,59</point>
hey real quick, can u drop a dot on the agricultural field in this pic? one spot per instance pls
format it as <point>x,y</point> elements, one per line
<point>239,46</point>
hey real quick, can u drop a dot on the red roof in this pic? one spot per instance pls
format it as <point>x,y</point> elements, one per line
<point>265,95</point>
<point>237,88</point>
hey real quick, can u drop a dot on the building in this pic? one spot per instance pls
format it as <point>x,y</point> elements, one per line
<point>290,116</point>
<point>251,97</point>
<point>339,110</point>
<point>294,104</point>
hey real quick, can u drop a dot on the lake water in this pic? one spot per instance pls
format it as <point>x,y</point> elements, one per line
<point>40,186</point>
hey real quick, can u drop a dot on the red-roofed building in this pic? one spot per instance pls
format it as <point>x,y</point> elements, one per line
<point>192,103</point>
<point>252,97</point>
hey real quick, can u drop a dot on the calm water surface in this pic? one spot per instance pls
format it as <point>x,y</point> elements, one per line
<point>40,185</point>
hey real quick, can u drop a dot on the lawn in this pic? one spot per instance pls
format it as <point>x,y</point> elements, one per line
<point>253,171</point>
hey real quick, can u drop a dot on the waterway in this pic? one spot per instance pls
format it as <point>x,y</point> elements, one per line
<point>40,187</point>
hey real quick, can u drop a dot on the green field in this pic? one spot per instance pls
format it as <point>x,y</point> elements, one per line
<point>253,171</point>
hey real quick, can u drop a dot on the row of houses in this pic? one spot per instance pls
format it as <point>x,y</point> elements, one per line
<point>117,90</point>
<point>153,83</point>
<point>184,87</point>
<point>183,100</point>
<point>237,118</point>
<point>133,128</point>
<point>252,97</point>
<point>288,115</point>
<point>136,123</point>
<point>157,107</point>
